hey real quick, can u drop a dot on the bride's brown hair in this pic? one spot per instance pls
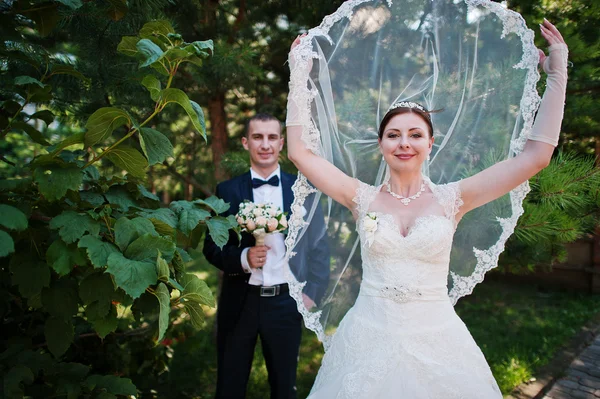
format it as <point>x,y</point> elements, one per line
<point>424,114</point>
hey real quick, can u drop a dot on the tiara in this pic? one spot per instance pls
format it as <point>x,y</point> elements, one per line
<point>407,104</point>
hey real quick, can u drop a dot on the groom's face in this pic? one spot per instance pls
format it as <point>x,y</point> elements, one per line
<point>264,142</point>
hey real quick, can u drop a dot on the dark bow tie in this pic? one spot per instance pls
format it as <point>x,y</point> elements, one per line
<point>273,181</point>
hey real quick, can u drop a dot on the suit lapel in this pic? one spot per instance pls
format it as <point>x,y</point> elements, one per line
<point>246,187</point>
<point>287,181</point>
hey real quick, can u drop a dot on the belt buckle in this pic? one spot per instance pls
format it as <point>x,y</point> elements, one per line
<point>269,291</point>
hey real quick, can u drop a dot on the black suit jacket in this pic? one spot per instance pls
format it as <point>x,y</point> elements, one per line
<point>314,262</point>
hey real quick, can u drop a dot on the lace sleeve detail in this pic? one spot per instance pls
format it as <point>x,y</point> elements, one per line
<point>364,195</point>
<point>449,195</point>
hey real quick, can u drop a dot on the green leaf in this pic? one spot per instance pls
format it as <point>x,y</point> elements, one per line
<point>131,275</point>
<point>153,85</point>
<point>155,145</point>
<point>31,276</point>
<point>119,195</point>
<point>193,110</point>
<point>196,290</point>
<point>199,48</point>
<point>218,228</point>
<point>62,258</point>
<point>162,268</point>
<point>61,299</point>
<point>128,230</point>
<point>150,52</point>
<point>129,159</point>
<point>164,300</point>
<point>128,46</point>
<point>189,215</point>
<point>32,132</point>
<point>13,379</point>
<point>196,313</point>
<point>92,198</point>
<point>118,9</point>
<point>111,384</point>
<point>64,69</point>
<point>46,115</point>
<point>73,4</point>
<point>103,122</point>
<point>147,247</point>
<point>7,245</point>
<point>59,335</point>
<point>72,226</point>
<point>53,182</point>
<point>96,287</point>
<point>40,94</point>
<point>106,324</point>
<point>106,395</point>
<point>12,218</point>
<point>27,80</point>
<point>215,203</point>
<point>97,250</point>
<point>74,139</point>
<point>165,215</point>
<point>175,284</point>
<point>156,28</point>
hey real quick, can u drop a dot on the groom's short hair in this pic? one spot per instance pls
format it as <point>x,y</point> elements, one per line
<point>263,117</point>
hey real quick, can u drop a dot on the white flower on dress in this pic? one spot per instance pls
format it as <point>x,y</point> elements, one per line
<point>370,227</point>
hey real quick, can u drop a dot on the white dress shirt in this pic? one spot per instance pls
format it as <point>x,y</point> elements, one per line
<point>273,272</point>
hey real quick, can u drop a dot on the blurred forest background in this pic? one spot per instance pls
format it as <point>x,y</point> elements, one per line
<point>244,72</point>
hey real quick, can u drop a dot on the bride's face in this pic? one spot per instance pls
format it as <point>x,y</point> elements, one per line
<point>406,142</point>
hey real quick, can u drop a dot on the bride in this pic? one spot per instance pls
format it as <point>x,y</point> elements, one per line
<point>402,337</point>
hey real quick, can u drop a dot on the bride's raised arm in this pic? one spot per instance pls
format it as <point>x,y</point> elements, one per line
<point>321,173</point>
<point>499,179</point>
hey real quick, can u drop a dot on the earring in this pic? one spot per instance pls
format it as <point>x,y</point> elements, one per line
<point>428,158</point>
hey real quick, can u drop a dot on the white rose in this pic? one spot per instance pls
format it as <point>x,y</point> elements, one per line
<point>257,211</point>
<point>273,211</point>
<point>283,222</point>
<point>369,224</point>
<point>240,220</point>
<point>261,221</point>
<point>250,225</point>
<point>272,224</point>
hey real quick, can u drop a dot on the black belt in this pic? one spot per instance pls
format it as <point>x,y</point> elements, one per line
<point>273,290</point>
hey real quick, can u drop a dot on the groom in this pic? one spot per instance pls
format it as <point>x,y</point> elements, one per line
<point>254,299</point>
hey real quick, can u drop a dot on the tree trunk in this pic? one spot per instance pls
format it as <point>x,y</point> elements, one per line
<point>218,132</point>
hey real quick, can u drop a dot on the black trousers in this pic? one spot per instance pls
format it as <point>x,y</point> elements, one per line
<point>279,325</point>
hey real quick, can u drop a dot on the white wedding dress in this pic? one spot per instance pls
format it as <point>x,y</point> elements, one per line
<point>402,338</point>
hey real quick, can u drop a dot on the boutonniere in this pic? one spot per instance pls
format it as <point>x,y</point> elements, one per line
<point>370,226</point>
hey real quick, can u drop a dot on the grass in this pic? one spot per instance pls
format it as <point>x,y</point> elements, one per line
<point>519,329</point>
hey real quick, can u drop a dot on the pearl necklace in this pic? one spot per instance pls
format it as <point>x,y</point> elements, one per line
<point>405,200</point>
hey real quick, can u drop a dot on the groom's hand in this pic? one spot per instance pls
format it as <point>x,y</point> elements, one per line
<point>257,256</point>
<point>308,303</point>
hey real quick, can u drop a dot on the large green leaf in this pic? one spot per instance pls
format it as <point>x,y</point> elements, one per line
<point>215,203</point>
<point>97,250</point>
<point>196,313</point>
<point>150,52</point>
<point>131,275</point>
<point>189,215</point>
<point>164,301</point>
<point>103,122</point>
<point>160,28</point>
<point>127,230</point>
<point>218,228</point>
<point>63,258</point>
<point>155,145</point>
<point>165,215</point>
<point>106,324</point>
<point>32,132</point>
<point>96,287</point>
<point>7,245</point>
<point>74,139</point>
<point>13,379</point>
<point>196,290</point>
<point>72,226</point>
<point>118,9</point>
<point>162,268</point>
<point>59,335</point>
<point>31,276</point>
<point>111,384</point>
<point>53,182</point>
<point>61,299</point>
<point>128,46</point>
<point>129,159</point>
<point>199,48</point>
<point>73,4</point>
<point>12,218</point>
<point>193,110</point>
<point>46,115</point>
<point>146,247</point>
<point>153,85</point>
<point>119,195</point>
<point>27,80</point>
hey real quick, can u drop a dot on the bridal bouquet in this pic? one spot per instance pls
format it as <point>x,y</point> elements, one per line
<point>260,220</point>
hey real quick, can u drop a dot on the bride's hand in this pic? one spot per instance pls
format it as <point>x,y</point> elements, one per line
<point>295,43</point>
<point>556,60</point>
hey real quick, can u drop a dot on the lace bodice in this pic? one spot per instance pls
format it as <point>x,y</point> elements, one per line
<point>412,266</point>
